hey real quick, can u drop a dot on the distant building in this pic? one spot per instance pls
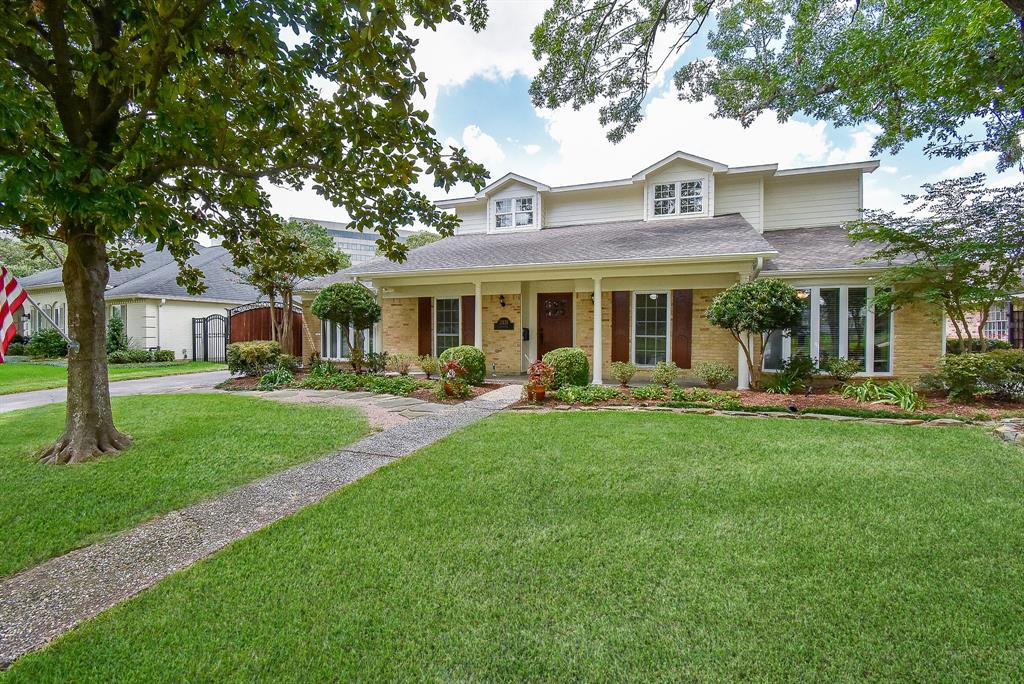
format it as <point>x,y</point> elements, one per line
<point>359,246</point>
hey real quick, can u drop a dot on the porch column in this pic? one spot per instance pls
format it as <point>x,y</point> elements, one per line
<point>478,316</point>
<point>598,345</point>
<point>742,372</point>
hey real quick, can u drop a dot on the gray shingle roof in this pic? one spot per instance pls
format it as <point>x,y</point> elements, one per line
<point>156,276</point>
<point>621,241</point>
<point>818,249</point>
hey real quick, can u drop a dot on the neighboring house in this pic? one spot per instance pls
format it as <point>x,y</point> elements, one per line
<point>156,310</point>
<point>359,246</point>
<point>630,266</point>
<point>1005,322</point>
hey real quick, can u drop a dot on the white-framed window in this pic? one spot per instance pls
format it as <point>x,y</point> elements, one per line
<point>514,212</point>
<point>997,327</point>
<point>336,341</point>
<point>678,198</point>
<point>447,326</point>
<point>120,311</point>
<point>650,328</point>
<point>838,321</point>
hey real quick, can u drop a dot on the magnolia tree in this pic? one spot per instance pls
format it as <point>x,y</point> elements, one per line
<point>909,69</point>
<point>351,305</point>
<point>755,309</point>
<point>126,122</point>
<point>959,247</point>
<point>300,250</point>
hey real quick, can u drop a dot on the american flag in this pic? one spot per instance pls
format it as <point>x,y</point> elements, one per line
<point>11,298</point>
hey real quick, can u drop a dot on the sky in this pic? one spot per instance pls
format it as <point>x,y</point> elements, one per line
<point>477,97</point>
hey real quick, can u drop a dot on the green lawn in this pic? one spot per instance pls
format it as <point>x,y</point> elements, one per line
<point>187,447</point>
<point>23,377</point>
<point>609,546</point>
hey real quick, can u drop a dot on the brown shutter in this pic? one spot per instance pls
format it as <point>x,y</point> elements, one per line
<point>620,326</point>
<point>468,319</point>
<point>682,327</point>
<point>425,326</point>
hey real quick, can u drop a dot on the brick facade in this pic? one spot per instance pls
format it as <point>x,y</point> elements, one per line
<point>400,326</point>
<point>503,348</point>
<point>917,340</point>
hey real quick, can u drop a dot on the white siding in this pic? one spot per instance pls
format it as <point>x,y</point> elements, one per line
<point>811,200</point>
<point>740,194</point>
<point>594,206</point>
<point>474,217</point>
<point>175,318</point>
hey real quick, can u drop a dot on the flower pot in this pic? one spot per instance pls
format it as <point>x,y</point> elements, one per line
<point>536,392</point>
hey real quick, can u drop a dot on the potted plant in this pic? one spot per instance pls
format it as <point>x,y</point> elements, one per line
<point>453,380</point>
<point>540,376</point>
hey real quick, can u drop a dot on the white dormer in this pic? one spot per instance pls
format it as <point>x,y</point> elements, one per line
<point>513,204</point>
<point>679,186</point>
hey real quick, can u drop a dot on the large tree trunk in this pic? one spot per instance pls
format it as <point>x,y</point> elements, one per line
<point>286,323</point>
<point>89,425</point>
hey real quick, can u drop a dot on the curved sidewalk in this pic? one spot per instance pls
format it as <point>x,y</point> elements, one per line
<point>43,602</point>
<point>163,384</point>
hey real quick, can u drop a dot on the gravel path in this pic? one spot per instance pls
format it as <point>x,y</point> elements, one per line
<point>43,602</point>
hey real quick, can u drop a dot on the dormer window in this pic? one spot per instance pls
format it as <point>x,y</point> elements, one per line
<point>679,198</point>
<point>513,212</point>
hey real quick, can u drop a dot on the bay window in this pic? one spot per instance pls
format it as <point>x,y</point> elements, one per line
<point>447,329</point>
<point>678,198</point>
<point>513,212</point>
<point>650,328</point>
<point>837,321</point>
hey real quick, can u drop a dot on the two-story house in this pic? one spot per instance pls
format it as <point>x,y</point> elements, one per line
<point>629,267</point>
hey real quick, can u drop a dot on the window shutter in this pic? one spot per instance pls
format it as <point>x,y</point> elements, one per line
<point>620,326</point>
<point>682,327</point>
<point>468,319</point>
<point>425,326</point>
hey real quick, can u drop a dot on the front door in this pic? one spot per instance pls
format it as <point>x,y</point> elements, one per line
<point>554,321</point>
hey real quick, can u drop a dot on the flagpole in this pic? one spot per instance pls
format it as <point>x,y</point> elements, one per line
<point>72,345</point>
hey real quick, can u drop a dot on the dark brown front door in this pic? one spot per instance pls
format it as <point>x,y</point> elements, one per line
<point>554,322</point>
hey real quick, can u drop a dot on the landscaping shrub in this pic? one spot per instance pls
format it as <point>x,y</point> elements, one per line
<point>376,362</point>
<point>430,365</point>
<point>897,393</point>
<point>163,355</point>
<point>623,371</point>
<point>454,383</point>
<point>571,367</point>
<point>48,344</point>
<point>275,379</point>
<point>117,338</point>
<point>288,362</point>
<point>540,374</point>
<point>842,369</point>
<point>954,346</point>
<point>968,376</point>
<point>665,373</point>
<point>471,359</point>
<point>700,397</point>
<point>586,394</point>
<point>132,355</point>
<point>794,376</point>
<point>119,357</point>
<point>714,373</point>
<point>400,363</point>
<point>648,392</point>
<point>16,349</point>
<point>401,385</point>
<point>253,358</point>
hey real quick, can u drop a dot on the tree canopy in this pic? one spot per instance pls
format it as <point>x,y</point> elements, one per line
<point>960,247</point>
<point>25,257</point>
<point>348,304</point>
<point>915,68</point>
<point>127,122</point>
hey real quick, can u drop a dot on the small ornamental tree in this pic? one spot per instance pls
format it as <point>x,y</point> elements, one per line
<point>756,308</point>
<point>117,338</point>
<point>348,304</point>
<point>960,248</point>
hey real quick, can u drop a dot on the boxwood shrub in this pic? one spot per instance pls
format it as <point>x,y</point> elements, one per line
<point>253,358</point>
<point>47,344</point>
<point>571,367</point>
<point>471,358</point>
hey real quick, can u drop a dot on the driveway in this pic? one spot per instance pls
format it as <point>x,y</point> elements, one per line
<point>190,382</point>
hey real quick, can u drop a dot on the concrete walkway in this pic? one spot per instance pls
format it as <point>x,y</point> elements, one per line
<point>164,384</point>
<point>43,602</point>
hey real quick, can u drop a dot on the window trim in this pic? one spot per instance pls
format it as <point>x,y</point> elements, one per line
<point>632,325</point>
<point>844,321</point>
<point>458,313</point>
<point>492,218</point>
<point>705,196</point>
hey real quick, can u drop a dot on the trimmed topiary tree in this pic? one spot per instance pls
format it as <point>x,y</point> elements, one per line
<point>756,308</point>
<point>470,358</point>
<point>348,304</point>
<point>571,366</point>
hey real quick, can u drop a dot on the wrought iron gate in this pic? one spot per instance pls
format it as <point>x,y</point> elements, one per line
<point>210,338</point>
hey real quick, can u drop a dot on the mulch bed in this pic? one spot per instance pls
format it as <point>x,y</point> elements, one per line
<point>822,398</point>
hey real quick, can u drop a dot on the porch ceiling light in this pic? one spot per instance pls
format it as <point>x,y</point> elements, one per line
<point>653,296</point>
<point>501,301</point>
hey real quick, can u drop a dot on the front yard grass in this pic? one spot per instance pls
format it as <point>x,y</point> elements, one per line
<point>25,377</point>
<point>609,546</point>
<point>187,448</point>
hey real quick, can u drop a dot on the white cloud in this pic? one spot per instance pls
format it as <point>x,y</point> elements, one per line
<point>480,147</point>
<point>531,149</point>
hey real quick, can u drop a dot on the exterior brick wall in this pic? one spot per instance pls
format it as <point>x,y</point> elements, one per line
<point>917,341</point>
<point>502,347</point>
<point>583,308</point>
<point>710,343</point>
<point>310,329</point>
<point>400,325</point>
